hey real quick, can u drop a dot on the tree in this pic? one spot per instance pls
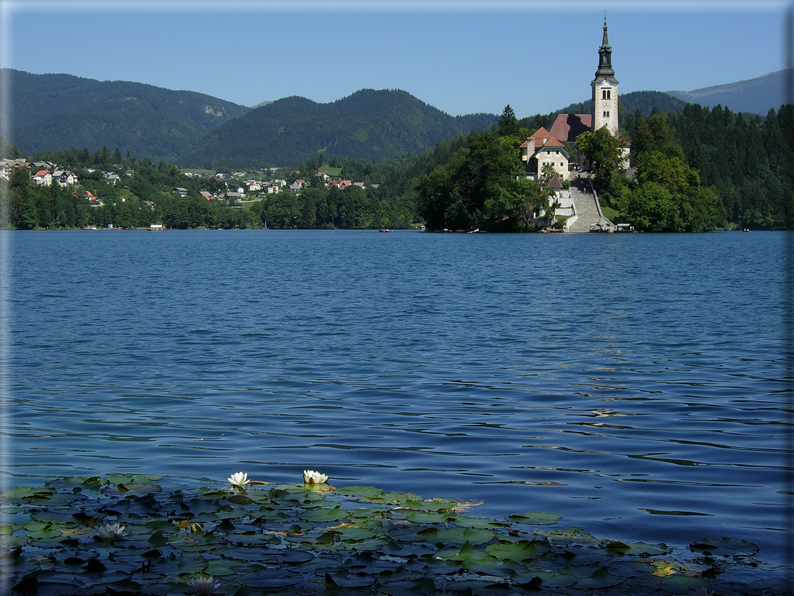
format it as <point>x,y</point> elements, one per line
<point>481,186</point>
<point>603,151</point>
<point>508,123</point>
<point>547,172</point>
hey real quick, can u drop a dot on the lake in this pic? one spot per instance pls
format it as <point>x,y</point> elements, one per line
<point>633,383</point>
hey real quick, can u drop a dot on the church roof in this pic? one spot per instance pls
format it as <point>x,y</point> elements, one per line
<point>569,126</point>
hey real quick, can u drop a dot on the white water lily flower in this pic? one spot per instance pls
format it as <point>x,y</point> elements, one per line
<point>111,532</point>
<point>312,477</point>
<point>204,586</point>
<point>238,480</point>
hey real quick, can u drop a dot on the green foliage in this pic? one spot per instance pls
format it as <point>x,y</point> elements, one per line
<point>508,124</point>
<point>125,534</point>
<point>603,152</point>
<point>368,124</point>
<point>481,186</point>
<point>745,160</point>
<point>56,111</point>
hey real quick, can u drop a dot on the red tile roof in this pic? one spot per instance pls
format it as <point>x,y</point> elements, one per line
<point>543,138</point>
<point>569,126</point>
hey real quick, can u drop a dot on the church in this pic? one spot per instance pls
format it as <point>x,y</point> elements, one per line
<point>546,146</point>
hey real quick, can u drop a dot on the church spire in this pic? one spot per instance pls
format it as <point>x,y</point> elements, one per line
<point>605,56</point>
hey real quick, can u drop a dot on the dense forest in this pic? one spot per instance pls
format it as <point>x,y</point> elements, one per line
<point>58,111</point>
<point>368,124</point>
<point>698,170</point>
<point>694,170</point>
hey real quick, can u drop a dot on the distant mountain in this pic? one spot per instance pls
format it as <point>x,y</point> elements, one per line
<point>756,96</point>
<point>59,111</point>
<point>368,124</point>
<point>644,101</point>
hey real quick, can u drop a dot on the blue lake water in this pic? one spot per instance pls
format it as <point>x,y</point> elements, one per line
<point>632,383</point>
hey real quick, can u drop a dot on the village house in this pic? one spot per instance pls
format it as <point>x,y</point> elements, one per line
<point>43,178</point>
<point>64,177</point>
<point>93,200</point>
<point>7,166</point>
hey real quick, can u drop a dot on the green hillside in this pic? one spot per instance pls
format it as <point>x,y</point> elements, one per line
<point>59,111</point>
<point>368,124</point>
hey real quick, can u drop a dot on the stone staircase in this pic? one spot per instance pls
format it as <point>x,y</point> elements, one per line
<point>587,210</point>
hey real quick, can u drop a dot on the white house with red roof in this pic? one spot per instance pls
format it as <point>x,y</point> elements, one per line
<point>43,178</point>
<point>542,148</point>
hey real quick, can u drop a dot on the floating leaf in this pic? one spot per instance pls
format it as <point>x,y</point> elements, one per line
<point>537,518</point>
<point>324,515</point>
<point>725,547</point>
<point>428,517</point>
<point>360,491</point>
<point>519,551</point>
<point>637,548</point>
<point>473,536</point>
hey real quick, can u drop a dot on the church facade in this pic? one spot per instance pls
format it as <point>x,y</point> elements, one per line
<point>605,89</point>
<point>604,112</point>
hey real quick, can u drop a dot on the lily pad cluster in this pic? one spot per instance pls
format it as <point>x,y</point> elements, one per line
<point>126,535</point>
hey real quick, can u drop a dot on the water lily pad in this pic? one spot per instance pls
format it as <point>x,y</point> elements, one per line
<point>222,567</point>
<point>323,515</point>
<point>428,517</point>
<point>471,559</point>
<point>724,547</point>
<point>519,551</point>
<point>26,493</point>
<point>537,518</point>
<point>478,522</point>
<point>637,548</point>
<point>289,540</point>
<point>360,491</point>
<point>270,578</point>
<point>354,534</point>
<point>138,479</point>
<point>473,536</point>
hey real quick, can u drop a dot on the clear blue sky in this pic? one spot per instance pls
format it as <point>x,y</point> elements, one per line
<point>460,56</point>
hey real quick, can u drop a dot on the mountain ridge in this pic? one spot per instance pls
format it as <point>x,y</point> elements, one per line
<point>755,96</point>
<point>368,124</point>
<point>62,111</point>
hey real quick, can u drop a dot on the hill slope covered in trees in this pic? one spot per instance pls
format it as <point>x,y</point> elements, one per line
<point>58,111</point>
<point>368,124</point>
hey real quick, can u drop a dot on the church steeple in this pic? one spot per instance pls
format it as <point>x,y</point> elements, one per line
<point>605,88</point>
<point>605,57</point>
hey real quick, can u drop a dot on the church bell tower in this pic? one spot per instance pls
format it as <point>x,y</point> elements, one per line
<point>605,89</point>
